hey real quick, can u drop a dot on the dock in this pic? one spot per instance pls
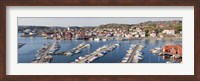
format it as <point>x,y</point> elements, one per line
<point>43,55</point>
<point>75,50</point>
<point>133,54</point>
<point>96,54</point>
<point>20,45</point>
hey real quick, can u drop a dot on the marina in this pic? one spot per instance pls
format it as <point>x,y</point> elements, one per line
<point>28,53</point>
<point>146,41</point>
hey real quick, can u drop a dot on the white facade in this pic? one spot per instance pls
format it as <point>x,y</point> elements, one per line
<point>137,35</point>
<point>169,32</point>
<point>142,34</point>
<point>153,34</point>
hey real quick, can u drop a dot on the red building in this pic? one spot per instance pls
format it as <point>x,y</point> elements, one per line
<point>173,49</point>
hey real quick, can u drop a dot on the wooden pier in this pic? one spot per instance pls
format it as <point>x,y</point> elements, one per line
<point>44,54</point>
<point>74,50</point>
<point>133,54</point>
<point>20,45</point>
<point>95,53</point>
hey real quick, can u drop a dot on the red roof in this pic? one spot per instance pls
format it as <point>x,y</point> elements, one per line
<point>177,47</point>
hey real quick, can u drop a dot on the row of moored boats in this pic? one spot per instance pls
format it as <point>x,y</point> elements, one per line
<point>133,54</point>
<point>96,54</point>
<point>46,51</point>
<point>76,50</point>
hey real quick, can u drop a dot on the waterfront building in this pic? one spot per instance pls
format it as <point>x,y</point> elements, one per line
<point>169,31</point>
<point>136,35</point>
<point>173,49</point>
<point>27,31</point>
<point>142,34</point>
<point>153,34</point>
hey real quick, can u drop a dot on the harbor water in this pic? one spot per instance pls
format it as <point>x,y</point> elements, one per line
<point>26,53</point>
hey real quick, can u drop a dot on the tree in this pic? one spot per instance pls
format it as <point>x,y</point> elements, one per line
<point>146,32</point>
<point>178,28</point>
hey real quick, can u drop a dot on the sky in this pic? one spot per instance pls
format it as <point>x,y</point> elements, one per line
<point>87,21</point>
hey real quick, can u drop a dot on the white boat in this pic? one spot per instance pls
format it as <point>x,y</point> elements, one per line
<point>133,45</point>
<point>140,58</point>
<point>76,60</point>
<point>156,50</point>
<point>104,39</point>
<point>80,57</point>
<point>97,39</point>
<point>100,55</point>
<point>37,58</point>
<point>129,51</point>
<point>91,39</point>
<point>51,51</point>
<point>126,58</point>
<point>68,53</point>
<point>124,61</point>
<point>93,58</point>
<point>54,48</point>
<point>48,57</point>
<point>140,53</point>
<point>103,47</point>
<point>88,45</point>
<point>77,51</point>
<point>81,44</point>
<point>38,54</point>
<point>128,54</point>
<point>117,45</point>
<point>168,62</point>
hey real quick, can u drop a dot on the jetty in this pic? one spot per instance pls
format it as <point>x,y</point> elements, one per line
<point>44,54</point>
<point>75,50</point>
<point>20,45</point>
<point>96,54</point>
<point>133,54</point>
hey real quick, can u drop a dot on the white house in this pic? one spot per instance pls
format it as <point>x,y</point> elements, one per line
<point>128,35</point>
<point>136,35</point>
<point>27,30</point>
<point>138,30</point>
<point>153,34</point>
<point>142,34</point>
<point>169,32</point>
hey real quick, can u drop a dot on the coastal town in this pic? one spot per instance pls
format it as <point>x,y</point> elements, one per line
<point>159,29</point>
<point>150,30</point>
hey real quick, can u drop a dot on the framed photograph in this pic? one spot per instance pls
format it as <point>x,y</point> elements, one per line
<point>99,40</point>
